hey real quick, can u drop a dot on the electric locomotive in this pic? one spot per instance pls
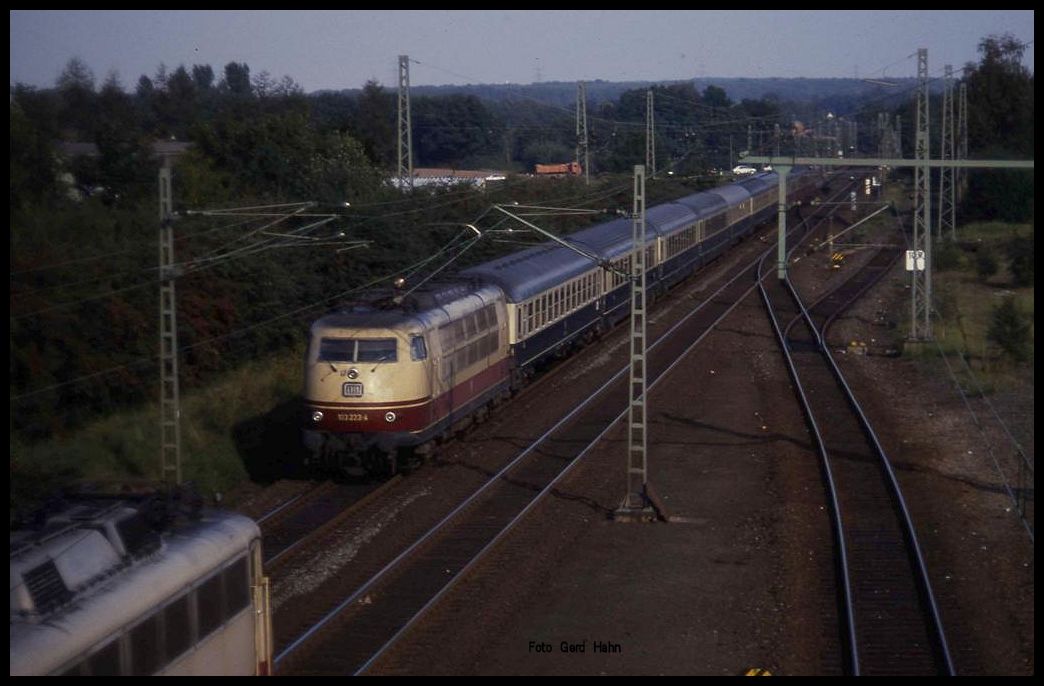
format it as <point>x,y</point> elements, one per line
<point>126,585</point>
<point>392,374</point>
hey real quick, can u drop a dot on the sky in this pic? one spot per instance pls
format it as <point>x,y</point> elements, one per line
<point>343,49</point>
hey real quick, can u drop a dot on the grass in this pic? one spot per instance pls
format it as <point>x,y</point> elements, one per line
<point>965,302</point>
<point>223,428</point>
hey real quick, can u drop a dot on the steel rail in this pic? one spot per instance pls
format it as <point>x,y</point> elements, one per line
<point>922,578</point>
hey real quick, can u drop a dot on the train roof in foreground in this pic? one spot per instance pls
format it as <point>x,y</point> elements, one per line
<point>82,573</point>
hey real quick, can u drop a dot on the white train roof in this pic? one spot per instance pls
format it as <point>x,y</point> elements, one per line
<point>532,271</point>
<point>426,309</point>
<point>72,588</point>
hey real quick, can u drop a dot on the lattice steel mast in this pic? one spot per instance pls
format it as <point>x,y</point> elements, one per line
<point>581,130</point>
<point>637,497</point>
<point>170,410</point>
<point>947,218</point>
<point>405,148</point>
<point>921,286</point>
<point>650,134</point>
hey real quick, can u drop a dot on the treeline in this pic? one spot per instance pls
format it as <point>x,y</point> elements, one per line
<point>84,332</point>
<point>1000,126</point>
<point>84,284</point>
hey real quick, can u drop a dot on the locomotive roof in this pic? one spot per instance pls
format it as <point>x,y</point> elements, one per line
<point>105,587</point>
<point>424,309</point>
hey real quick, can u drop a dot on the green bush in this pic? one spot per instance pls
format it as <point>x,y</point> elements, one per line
<point>985,263</point>
<point>1010,329</point>
<point>947,256</point>
<point>1021,253</point>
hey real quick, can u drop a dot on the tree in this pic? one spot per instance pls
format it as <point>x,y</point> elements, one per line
<point>264,85</point>
<point>203,76</point>
<point>1021,253</point>
<point>237,78</point>
<point>1010,330</point>
<point>985,263</point>
<point>1000,99</point>
<point>32,169</point>
<point>452,130</point>
<point>1000,125</point>
<point>714,96</point>
<point>374,124</point>
<point>118,136</point>
<point>339,171</point>
<point>76,91</point>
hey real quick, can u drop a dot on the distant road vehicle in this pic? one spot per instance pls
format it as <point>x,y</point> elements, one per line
<point>743,170</point>
<point>570,168</point>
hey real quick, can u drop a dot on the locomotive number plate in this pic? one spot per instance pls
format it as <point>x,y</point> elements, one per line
<point>351,389</point>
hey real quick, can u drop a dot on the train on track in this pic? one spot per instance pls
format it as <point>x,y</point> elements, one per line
<point>390,377</point>
<point>138,585</point>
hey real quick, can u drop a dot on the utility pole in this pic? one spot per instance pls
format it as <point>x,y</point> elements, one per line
<point>405,147</point>
<point>884,145</point>
<point>881,135</point>
<point>581,130</point>
<point>650,134</point>
<point>781,221</point>
<point>921,286</point>
<point>898,136</point>
<point>946,174</point>
<point>170,408</point>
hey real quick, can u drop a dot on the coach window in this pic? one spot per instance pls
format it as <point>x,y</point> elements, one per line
<point>418,351</point>
<point>106,662</point>
<point>211,601</point>
<point>145,646</point>
<point>237,587</point>
<point>178,627</point>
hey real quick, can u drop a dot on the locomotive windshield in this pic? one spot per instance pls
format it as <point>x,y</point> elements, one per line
<point>357,350</point>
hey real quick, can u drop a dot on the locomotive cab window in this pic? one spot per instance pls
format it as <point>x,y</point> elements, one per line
<point>418,351</point>
<point>357,350</point>
<point>379,350</point>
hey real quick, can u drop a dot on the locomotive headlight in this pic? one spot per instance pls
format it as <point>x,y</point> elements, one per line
<point>317,416</point>
<point>389,417</point>
<point>353,373</point>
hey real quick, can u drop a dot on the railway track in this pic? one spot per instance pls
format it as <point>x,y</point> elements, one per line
<point>363,625</point>
<point>891,623</point>
<point>300,520</point>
